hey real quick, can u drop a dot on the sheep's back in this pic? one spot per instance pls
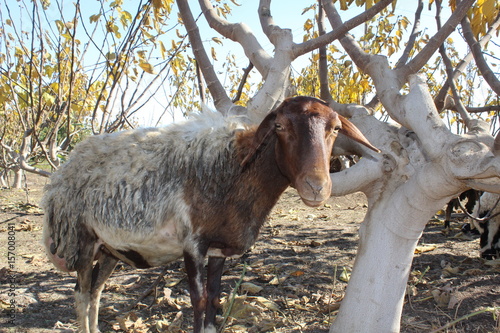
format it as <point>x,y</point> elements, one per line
<point>133,181</point>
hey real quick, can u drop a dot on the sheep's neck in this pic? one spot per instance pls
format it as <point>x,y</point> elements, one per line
<point>234,224</point>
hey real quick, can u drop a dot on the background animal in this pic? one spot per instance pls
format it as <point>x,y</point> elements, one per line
<point>194,190</point>
<point>468,199</point>
<point>487,221</point>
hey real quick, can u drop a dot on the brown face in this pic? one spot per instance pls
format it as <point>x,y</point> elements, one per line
<point>306,129</point>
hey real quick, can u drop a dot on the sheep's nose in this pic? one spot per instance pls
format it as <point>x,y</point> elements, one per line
<point>315,186</point>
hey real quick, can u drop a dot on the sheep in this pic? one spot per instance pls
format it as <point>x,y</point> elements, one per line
<point>472,197</point>
<point>198,189</point>
<point>486,218</point>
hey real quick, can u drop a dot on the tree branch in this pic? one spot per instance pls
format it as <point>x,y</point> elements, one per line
<point>246,72</point>
<point>481,63</point>
<point>409,46</point>
<point>439,100</point>
<point>449,73</point>
<point>267,21</point>
<point>358,56</point>
<point>430,48</point>
<point>339,29</point>
<point>323,62</point>
<point>221,100</point>
<point>413,36</point>
<point>239,33</point>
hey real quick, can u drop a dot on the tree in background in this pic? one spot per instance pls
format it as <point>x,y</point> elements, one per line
<point>423,163</point>
<point>63,79</point>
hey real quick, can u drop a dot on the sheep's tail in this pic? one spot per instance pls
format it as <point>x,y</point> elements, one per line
<point>68,242</point>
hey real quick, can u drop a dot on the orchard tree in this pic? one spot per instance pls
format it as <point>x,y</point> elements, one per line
<point>423,163</point>
<point>68,70</point>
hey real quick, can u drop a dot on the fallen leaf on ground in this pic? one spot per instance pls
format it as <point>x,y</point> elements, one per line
<point>297,273</point>
<point>277,280</point>
<point>265,303</point>
<point>424,248</point>
<point>250,288</point>
<point>345,275</point>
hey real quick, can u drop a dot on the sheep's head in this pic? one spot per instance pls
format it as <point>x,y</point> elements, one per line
<point>306,129</point>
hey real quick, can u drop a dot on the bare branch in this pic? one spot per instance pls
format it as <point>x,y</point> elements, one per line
<point>449,73</point>
<point>221,100</point>
<point>354,50</point>
<point>481,63</point>
<point>242,82</point>
<point>426,53</point>
<point>23,163</point>
<point>323,62</point>
<point>267,21</point>
<point>440,98</point>
<point>413,36</point>
<point>239,33</point>
<point>406,53</point>
<point>339,28</point>
<point>201,84</point>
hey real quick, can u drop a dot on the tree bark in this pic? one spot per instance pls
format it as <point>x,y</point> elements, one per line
<point>18,178</point>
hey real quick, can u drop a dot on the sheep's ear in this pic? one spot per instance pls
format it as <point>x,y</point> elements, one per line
<point>265,129</point>
<point>354,133</point>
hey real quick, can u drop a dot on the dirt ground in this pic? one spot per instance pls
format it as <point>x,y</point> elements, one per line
<point>292,280</point>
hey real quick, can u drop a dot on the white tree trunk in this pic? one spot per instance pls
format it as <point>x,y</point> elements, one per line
<point>419,171</point>
<point>18,178</point>
<point>388,237</point>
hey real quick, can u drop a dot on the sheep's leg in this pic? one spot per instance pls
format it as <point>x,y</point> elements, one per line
<point>101,272</point>
<point>194,269</point>
<point>449,210</point>
<point>214,274</point>
<point>82,297</point>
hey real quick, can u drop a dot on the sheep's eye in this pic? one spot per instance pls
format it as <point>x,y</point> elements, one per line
<point>278,127</point>
<point>335,130</point>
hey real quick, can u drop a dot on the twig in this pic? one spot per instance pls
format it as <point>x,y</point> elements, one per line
<point>486,217</point>
<point>467,316</point>
<point>233,296</point>
<point>333,288</point>
<point>147,292</point>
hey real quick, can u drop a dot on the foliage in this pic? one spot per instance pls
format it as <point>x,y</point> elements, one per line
<point>80,74</point>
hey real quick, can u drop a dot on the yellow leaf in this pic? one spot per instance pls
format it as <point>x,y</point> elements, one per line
<point>489,11</point>
<point>171,282</point>
<point>365,84</point>
<point>214,54</point>
<point>425,248</point>
<point>48,99</point>
<point>276,281</point>
<point>94,18</point>
<point>163,50</point>
<point>147,67</point>
<point>308,25</point>
<point>217,40</point>
<point>345,275</point>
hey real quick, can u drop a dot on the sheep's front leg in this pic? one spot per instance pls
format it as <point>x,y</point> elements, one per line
<point>101,272</point>
<point>194,269</point>
<point>82,297</point>
<point>214,274</point>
